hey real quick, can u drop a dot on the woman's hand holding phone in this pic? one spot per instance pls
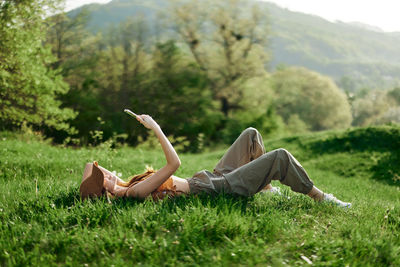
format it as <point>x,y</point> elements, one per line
<point>146,120</point>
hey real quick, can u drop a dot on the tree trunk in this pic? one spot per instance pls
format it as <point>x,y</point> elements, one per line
<point>225,106</point>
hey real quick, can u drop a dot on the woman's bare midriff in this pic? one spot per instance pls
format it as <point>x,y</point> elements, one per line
<point>182,185</point>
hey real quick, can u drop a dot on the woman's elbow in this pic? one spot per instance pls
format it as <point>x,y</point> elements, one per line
<point>176,164</point>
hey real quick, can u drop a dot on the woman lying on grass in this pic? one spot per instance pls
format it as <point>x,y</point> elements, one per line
<point>245,170</point>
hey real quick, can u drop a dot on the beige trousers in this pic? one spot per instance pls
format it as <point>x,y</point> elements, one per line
<point>246,169</point>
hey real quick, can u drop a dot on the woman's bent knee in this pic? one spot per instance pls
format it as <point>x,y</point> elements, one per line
<point>282,151</point>
<point>250,131</point>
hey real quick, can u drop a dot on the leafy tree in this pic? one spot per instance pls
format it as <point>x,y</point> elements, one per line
<point>66,37</point>
<point>77,53</point>
<point>258,111</point>
<point>179,96</point>
<point>314,98</point>
<point>123,68</point>
<point>394,95</point>
<point>29,88</point>
<point>392,115</point>
<point>161,81</point>
<point>226,39</point>
<point>347,84</point>
<point>376,107</point>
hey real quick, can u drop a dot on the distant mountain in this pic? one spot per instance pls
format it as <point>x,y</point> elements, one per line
<point>355,55</point>
<point>365,26</point>
<point>368,58</point>
<point>116,11</point>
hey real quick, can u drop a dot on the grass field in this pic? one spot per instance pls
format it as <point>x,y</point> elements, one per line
<point>43,222</point>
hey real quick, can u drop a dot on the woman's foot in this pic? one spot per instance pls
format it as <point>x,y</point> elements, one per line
<point>320,196</point>
<point>331,199</point>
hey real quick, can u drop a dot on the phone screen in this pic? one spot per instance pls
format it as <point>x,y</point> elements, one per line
<point>130,112</point>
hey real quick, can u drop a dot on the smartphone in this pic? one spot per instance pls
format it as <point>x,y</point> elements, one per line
<point>130,113</point>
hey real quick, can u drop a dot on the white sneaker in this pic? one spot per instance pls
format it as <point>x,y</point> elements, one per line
<point>273,190</point>
<point>331,199</point>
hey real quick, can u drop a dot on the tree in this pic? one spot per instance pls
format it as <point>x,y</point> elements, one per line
<point>314,98</point>
<point>123,66</point>
<point>226,39</point>
<point>376,107</point>
<point>29,88</point>
<point>67,35</point>
<point>178,96</point>
<point>394,95</point>
<point>77,56</point>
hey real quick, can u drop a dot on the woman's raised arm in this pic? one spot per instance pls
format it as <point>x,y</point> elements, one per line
<point>144,188</point>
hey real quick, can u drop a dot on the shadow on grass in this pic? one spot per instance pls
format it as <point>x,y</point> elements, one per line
<point>383,141</point>
<point>223,202</point>
<point>66,198</point>
<point>71,198</point>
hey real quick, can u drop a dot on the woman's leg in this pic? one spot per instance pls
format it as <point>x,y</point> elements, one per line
<point>279,165</point>
<point>316,194</point>
<point>247,147</point>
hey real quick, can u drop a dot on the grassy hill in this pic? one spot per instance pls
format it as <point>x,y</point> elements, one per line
<point>367,57</point>
<point>43,222</point>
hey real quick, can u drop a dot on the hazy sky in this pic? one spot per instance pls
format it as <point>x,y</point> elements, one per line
<point>382,13</point>
<point>71,4</point>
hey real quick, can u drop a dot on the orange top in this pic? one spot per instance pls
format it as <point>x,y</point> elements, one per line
<point>166,189</point>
